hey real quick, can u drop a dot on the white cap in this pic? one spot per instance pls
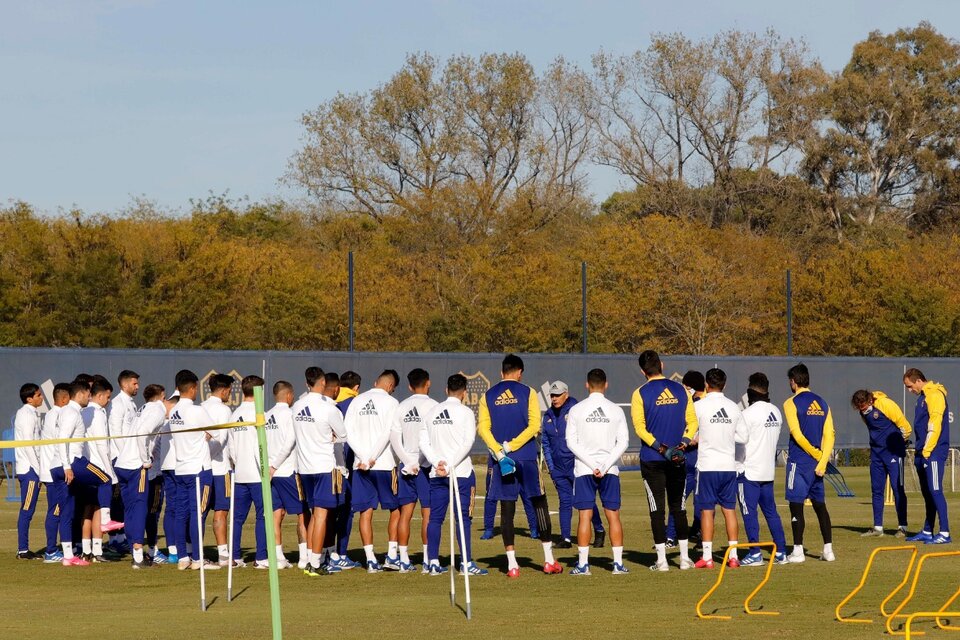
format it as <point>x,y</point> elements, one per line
<point>558,388</point>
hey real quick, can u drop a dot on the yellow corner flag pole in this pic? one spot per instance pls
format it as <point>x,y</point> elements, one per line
<point>268,515</point>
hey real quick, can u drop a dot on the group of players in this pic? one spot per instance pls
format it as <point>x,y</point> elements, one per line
<point>335,453</point>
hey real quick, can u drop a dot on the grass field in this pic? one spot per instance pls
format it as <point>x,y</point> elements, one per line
<point>46,601</point>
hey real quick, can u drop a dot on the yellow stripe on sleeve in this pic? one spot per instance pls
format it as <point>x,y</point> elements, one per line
<point>640,419</point>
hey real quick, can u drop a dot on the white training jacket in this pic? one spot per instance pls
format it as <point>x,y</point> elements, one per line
<point>597,435</point>
<point>243,446</point>
<point>220,414</point>
<point>368,423</point>
<point>123,411</point>
<point>26,426</point>
<point>318,424</point>
<point>167,455</point>
<point>405,432</point>
<point>448,432</point>
<point>191,449</point>
<point>70,425</point>
<point>99,452</point>
<point>136,452</point>
<point>720,429</point>
<point>757,457</point>
<point>281,440</point>
<point>49,454</point>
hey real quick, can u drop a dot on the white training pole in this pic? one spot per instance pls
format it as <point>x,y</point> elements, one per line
<point>463,543</point>
<point>233,489</point>
<point>199,545</point>
<point>453,564</point>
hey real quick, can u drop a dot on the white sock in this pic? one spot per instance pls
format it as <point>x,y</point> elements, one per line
<point>944,533</point>
<point>425,554</point>
<point>314,560</point>
<point>880,528</point>
<point>121,537</point>
<point>172,550</point>
<point>512,560</point>
<point>280,551</point>
<point>304,553</point>
<point>87,545</point>
<point>67,550</point>
<point>334,556</point>
<point>583,554</point>
<point>684,549</point>
<point>104,515</point>
<point>138,555</point>
<point>548,553</point>
<point>156,550</point>
<point>392,548</point>
<point>707,550</point>
<point>661,552</point>
<point>798,549</point>
<point>828,547</point>
<point>223,550</point>
<point>618,555</point>
<point>404,555</point>
<point>368,551</point>
<point>733,552</point>
<point>97,546</point>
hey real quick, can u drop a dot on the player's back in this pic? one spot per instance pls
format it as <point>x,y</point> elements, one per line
<point>191,450</point>
<point>717,417</point>
<point>280,433</point>
<point>811,412</point>
<point>764,422</point>
<point>315,421</point>
<point>509,404</point>
<point>368,421</point>
<point>596,423</point>
<point>243,445</point>
<point>409,415</point>
<point>664,403</point>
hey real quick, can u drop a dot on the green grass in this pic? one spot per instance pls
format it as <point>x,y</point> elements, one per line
<point>46,601</point>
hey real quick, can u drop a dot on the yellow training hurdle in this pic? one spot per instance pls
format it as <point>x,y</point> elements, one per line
<point>863,581</point>
<point>746,603</point>
<point>929,614</point>
<point>913,587</point>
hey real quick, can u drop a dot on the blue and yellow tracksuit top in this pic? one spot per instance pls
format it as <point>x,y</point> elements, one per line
<point>510,412</point>
<point>662,410</point>
<point>887,425</point>
<point>931,421</point>
<point>810,421</point>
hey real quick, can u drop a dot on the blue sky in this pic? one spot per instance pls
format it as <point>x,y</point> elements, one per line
<point>105,100</point>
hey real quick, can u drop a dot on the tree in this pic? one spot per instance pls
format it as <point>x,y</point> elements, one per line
<point>453,146</point>
<point>891,126</point>
<point>696,112</point>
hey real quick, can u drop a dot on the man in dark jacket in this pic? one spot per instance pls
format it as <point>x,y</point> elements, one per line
<point>559,461</point>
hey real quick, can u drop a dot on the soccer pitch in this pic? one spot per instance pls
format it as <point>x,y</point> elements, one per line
<point>46,601</point>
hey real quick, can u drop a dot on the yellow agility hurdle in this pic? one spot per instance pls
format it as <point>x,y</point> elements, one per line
<point>746,603</point>
<point>943,610</point>
<point>863,581</point>
<point>913,587</point>
<point>928,614</point>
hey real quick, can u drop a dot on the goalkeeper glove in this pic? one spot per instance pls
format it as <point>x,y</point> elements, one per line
<point>660,447</point>
<point>675,455</point>
<point>507,465</point>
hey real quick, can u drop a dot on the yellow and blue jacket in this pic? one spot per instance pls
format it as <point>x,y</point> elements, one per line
<point>662,410</point>
<point>811,429</point>
<point>932,421</point>
<point>887,425</point>
<point>510,412</point>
